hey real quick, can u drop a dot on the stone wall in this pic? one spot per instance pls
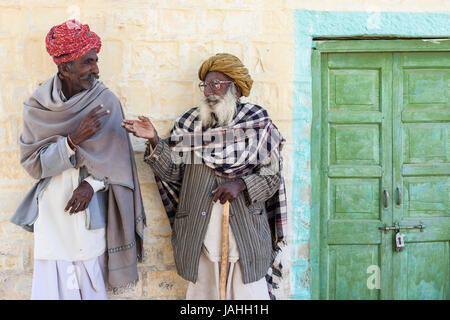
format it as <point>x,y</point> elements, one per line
<point>150,56</point>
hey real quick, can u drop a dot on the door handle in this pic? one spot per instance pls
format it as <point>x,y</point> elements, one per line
<point>397,227</point>
<point>399,196</point>
<point>386,199</point>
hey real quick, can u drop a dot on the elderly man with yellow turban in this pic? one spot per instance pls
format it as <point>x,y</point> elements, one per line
<point>85,209</point>
<point>221,151</point>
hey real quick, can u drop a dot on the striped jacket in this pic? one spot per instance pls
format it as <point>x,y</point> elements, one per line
<point>248,218</point>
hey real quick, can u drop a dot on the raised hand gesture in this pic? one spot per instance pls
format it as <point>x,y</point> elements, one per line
<point>141,128</point>
<point>89,125</point>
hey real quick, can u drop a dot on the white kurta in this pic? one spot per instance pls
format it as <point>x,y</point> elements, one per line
<point>207,285</point>
<point>212,244</point>
<point>59,235</point>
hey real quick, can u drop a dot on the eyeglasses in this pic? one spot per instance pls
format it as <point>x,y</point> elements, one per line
<point>213,85</point>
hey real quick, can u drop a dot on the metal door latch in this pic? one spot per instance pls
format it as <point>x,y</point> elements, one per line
<point>399,241</point>
<point>397,227</point>
<point>400,236</point>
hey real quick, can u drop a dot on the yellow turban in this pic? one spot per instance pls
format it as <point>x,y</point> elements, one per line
<point>232,67</point>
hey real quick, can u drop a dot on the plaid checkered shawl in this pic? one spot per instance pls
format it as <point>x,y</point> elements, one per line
<point>232,152</point>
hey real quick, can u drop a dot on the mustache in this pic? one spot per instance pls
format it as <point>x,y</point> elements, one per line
<point>90,76</point>
<point>213,99</point>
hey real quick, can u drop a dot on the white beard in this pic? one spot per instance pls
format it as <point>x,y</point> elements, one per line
<point>216,110</point>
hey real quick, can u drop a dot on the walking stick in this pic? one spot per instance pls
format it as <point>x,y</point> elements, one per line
<point>224,260</point>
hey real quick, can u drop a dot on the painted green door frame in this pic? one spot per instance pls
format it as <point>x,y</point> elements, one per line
<point>382,53</point>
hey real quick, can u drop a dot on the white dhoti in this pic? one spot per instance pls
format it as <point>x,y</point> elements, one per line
<point>69,280</point>
<point>207,285</point>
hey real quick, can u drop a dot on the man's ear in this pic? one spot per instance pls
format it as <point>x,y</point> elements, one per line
<point>64,69</point>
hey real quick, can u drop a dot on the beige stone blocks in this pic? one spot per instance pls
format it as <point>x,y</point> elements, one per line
<point>9,15</point>
<point>277,21</point>
<point>241,22</point>
<point>14,256</point>
<point>137,96</point>
<point>7,56</point>
<point>5,133</point>
<point>15,286</point>
<point>166,59</point>
<point>176,96</point>
<point>272,61</point>
<point>110,60</point>
<point>13,93</point>
<point>236,48</point>
<point>39,64</point>
<point>211,21</point>
<point>158,224</point>
<point>192,55</point>
<point>164,284</point>
<point>177,22</point>
<point>158,252</point>
<point>10,197</point>
<point>135,23</point>
<point>10,166</point>
<point>150,56</point>
<point>37,19</point>
<point>10,129</point>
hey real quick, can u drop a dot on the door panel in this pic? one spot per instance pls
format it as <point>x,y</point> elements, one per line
<point>426,280</point>
<point>426,142</point>
<point>356,167</point>
<point>343,95</point>
<point>355,143</point>
<point>426,196</point>
<point>355,199</point>
<point>347,279</point>
<point>422,173</point>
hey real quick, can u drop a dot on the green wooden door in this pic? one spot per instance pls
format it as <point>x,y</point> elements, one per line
<point>422,173</point>
<point>356,169</point>
<point>384,160</point>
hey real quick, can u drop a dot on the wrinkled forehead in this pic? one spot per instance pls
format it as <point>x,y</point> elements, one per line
<point>216,75</point>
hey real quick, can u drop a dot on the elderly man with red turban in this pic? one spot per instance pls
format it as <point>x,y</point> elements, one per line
<point>221,151</point>
<point>85,209</point>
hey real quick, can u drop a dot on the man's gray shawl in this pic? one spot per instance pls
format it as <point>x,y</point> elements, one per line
<point>107,155</point>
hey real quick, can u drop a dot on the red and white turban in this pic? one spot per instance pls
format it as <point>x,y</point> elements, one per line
<point>71,40</point>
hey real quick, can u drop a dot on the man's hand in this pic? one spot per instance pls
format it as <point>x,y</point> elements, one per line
<point>228,191</point>
<point>142,128</point>
<point>80,198</point>
<point>89,125</point>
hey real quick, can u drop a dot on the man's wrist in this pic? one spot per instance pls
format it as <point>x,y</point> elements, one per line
<point>154,141</point>
<point>71,143</point>
<point>88,185</point>
<point>242,184</point>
